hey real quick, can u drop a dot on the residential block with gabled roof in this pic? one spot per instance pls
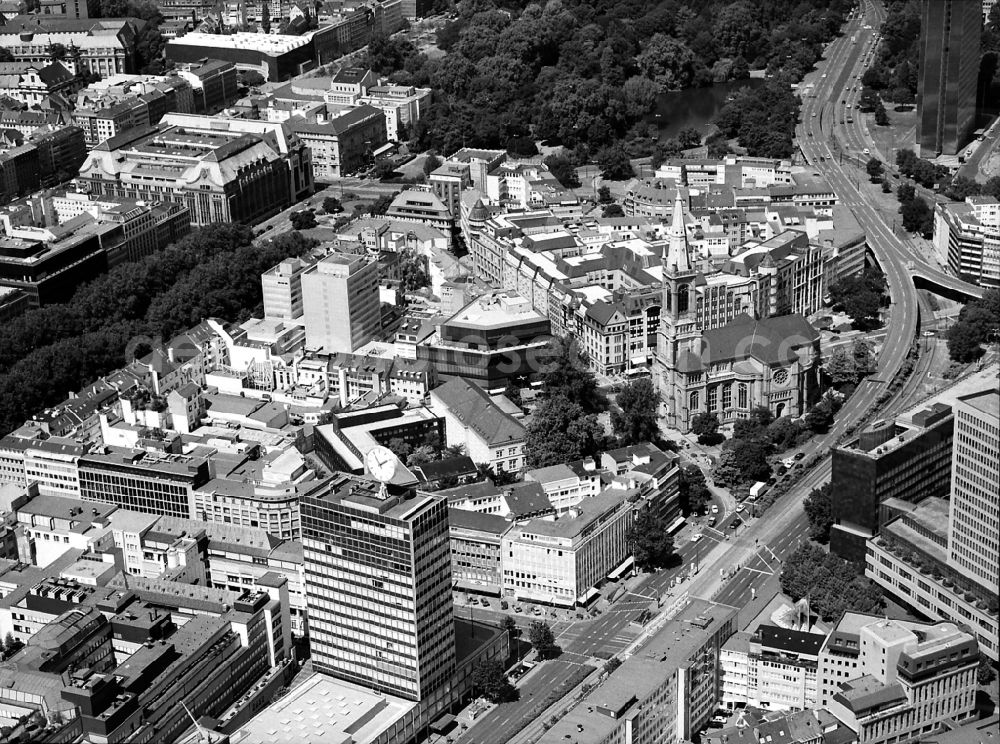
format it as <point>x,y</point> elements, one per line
<point>474,421</point>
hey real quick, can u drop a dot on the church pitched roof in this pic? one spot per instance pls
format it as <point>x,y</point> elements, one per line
<point>771,341</point>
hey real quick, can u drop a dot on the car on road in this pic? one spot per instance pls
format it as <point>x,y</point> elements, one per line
<point>928,334</point>
<point>741,507</point>
<point>696,537</point>
<point>866,151</point>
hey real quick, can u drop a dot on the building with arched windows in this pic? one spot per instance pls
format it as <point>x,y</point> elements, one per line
<point>731,369</point>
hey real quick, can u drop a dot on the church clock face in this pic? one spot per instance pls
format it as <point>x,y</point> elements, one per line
<point>780,376</point>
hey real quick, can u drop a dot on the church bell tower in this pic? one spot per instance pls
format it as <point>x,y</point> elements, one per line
<point>679,332</point>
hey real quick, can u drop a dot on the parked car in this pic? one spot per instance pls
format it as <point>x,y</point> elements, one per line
<point>799,455</point>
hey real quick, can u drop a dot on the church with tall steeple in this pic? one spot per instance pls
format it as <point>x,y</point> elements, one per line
<point>733,369</point>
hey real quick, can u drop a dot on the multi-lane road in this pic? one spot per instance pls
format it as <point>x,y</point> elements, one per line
<point>833,137</point>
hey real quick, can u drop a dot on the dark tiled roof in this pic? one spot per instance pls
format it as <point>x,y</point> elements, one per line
<point>453,466</point>
<point>526,499</point>
<point>771,341</point>
<point>472,520</point>
<point>795,641</point>
<point>472,406</point>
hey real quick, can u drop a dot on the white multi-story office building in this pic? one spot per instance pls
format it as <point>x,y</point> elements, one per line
<point>282,289</point>
<point>897,681</point>
<point>340,303</point>
<point>975,500</point>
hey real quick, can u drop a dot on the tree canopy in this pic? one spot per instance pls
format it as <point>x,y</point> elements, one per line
<point>490,682</point>
<point>541,638</point>
<point>588,72</point>
<point>561,431</point>
<point>693,493</point>
<point>861,297</point>
<point>831,584</point>
<point>633,417</point>
<point>977,322</point>
<point>818,507</point>
<point>567,374</point>
<point>651,544</point>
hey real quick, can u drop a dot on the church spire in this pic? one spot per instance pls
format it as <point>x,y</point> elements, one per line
<point>677,249</point>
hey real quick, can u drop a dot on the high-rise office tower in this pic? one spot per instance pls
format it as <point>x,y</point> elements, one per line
<point>949,73</point>
<point>975,502</point>
<point>378,586</point>
<point>341,303</point>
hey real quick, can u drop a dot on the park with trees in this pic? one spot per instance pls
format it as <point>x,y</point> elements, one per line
<point>587,74</point>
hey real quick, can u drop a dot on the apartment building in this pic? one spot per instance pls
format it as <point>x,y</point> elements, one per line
<point>378,586</point>
<point>561,561</point>
<point>892,680</point>
<point>774,668</point>
<point>489,435</point>
<point>193,160</point>
<point>109,107</point>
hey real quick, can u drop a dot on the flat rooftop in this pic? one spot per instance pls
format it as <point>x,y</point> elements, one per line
<point>364,494</point>
<point>271,44</point>
<point>496,310</point>
<point>577,519</point>
<point>640,675</point>
<point>323,709</point>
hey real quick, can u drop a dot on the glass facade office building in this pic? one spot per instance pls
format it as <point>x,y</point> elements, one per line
<point>949,74</point>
